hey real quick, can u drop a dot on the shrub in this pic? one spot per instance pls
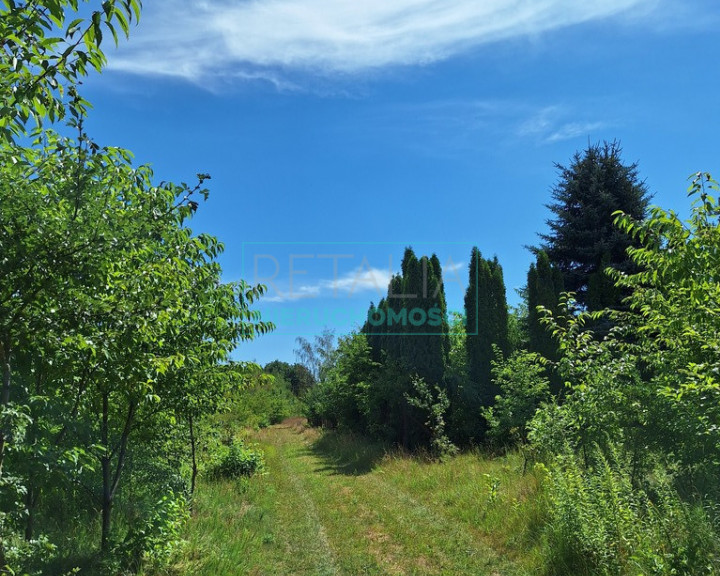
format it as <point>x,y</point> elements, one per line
<point>265,403</point>
<point>434,404</point>
<point>152,542</point>
<point>317,405</point>
<point>599,524</point>
<point>523,386</point>
<point>236,461</point>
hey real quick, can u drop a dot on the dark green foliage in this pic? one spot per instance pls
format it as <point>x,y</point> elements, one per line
<point>236,461</point>
<point>425,346</point>
<point>498,321</point>
<point>582,236</point>
<point>297,375</point>
<point>408,335</point>
<point>487,327</point>
<point>523,387</point>
<point>434,404</point>
<point>410,325</point>
<point>544,286</point>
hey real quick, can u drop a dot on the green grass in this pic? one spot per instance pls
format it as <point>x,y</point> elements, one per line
<point>335,504</point>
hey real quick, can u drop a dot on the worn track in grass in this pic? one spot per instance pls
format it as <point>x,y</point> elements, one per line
<point>335,506</point>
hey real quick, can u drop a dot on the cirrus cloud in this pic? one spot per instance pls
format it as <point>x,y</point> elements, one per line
<point>254,39</point>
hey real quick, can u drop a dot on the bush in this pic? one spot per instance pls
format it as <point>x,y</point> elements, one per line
<point>599,524</point>
<point>318,406</point>
<point>265,403</point>
<point>523,387</point>
<point>237,461</point>
<point>434,404</point>
<point>152,542</point>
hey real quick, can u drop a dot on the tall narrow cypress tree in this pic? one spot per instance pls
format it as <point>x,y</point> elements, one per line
<point>472,315</point>
<point>373,329</point>
<point>487,326</point>
<point>431,354</point>
<point>544,285</point>
<point>393,341</point>
<point>498,307</point>
<point>439,292</point>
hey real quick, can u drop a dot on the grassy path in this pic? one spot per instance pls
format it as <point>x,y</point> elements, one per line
<point>334,505</point>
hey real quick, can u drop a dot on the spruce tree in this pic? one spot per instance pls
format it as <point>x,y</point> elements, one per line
<point>582,236</point>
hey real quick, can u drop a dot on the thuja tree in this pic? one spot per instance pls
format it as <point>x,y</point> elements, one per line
<point>408,334</point>
<point>424,349</point>
<point>544,287</point>
<point>486,327</point>
<point>487,322</point>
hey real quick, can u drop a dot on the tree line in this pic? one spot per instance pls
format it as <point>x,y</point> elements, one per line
<point>605,377</point>
<point>408,336</point>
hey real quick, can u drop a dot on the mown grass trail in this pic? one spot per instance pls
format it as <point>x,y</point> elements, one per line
<point>336,505</point>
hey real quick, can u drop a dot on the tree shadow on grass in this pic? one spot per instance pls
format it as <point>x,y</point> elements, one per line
<point>346,454</point>
<point>73,563</point>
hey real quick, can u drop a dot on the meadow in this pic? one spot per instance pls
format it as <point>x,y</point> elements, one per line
<point>334,503</point>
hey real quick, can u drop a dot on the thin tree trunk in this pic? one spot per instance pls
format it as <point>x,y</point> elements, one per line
<point>106,479</point>
<point>5,353</point>
<point>5,393</point>
<point>112,481</point>
<point>30,500</point>
<point>193,478</point>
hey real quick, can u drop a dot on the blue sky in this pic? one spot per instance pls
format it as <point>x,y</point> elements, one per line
<point>337,132</point>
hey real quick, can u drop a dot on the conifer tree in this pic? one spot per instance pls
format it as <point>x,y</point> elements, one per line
<point>479,320</point>
<point>442,303</point>
<point>487,326</point>
<point>544,285</point>
<point>583,237</point>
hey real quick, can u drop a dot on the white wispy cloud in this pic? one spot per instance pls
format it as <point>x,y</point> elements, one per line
<point>550,124</point>
<point>253,39</point>
<point>573,130</point>
<point>470,125</point>
<point>361,279</point>
<point>453,267</point>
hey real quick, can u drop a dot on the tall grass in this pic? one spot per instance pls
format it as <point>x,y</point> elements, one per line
<point>599,523</point>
